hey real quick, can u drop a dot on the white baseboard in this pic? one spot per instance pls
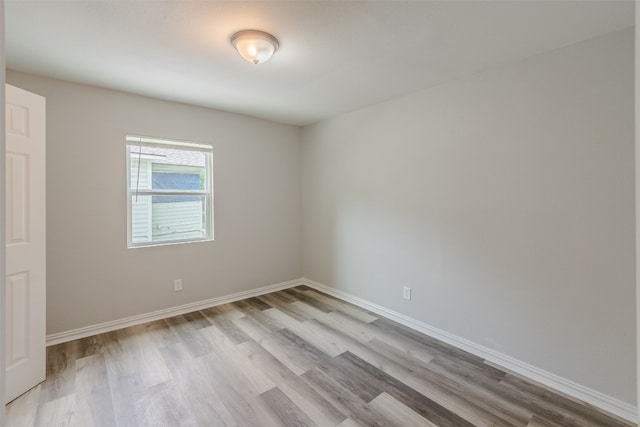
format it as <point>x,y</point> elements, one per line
<point>113,325</point>
<point>563,385</point>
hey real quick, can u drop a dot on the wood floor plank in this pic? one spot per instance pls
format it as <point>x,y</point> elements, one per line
<point>561,401</point>
<point>197,320</point>
<point>23,411</point>
<point>397,413</point>
<point>472,370</point>
<point>282,296</point>
<point>250,380</point>
<point>393,366</point>
<point>416,339</point>
<point>551,412</point>
<point>245,307</point>
<point>284,305</point>
<point>427,407</point>
<point>312,332</point>
<point>349,423</point>
<point>358,382</point>
<point>189,336</point>
<point>342,306</point>
<point>225,323</point>
<point>61,371</point>
<point>224,311</point>
<point>322,337</point>
<point>283,409</point>
<point>340,397</point>
<point>305,397</point>
<point>160,405</point>
<point>89,346</point>
<point>405,353</point>
<point>206,407</point>
<point>350,326</point>
<point>125,382</point>
<point>267,322</point>
<point>294,357</point>
<point>544,410</point>
<point>159,332</point>
<point>251,328</point>
<point>239,401</point>
<point>308,310</point>
<point>444,393</point>
<point>477,395</point>
<point>258,304</point>
<point>302,296</point>
<point>58,412</point>
<point>288,353</point>
<point>231,330</point>
<point>140,346</point>
<point>372,333</point>
<point>537,422</point>
<point>279,319</point>
<point>305,348</point>
<point>93,404</point>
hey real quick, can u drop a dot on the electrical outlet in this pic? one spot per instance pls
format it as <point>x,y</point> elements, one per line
<point>177,285</point>
<point>406,292</point>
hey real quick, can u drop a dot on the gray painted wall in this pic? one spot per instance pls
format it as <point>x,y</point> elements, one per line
<point>637,169</point>
<point>504,200</point>
<point>2,216</point>
<point>91,275</point>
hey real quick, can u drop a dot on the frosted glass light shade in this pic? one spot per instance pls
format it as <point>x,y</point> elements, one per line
<point>254,46</point>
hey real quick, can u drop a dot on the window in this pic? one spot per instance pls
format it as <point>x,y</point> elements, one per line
<point>169,192</point>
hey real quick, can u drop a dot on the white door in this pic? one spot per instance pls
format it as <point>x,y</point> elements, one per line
<point>25,240</point>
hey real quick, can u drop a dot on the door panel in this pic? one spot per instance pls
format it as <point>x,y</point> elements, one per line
<point>25,241</point>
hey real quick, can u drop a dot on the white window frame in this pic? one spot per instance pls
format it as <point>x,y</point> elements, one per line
<point>133,141</point>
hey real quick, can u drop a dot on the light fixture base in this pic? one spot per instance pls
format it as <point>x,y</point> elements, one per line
<point>254,45</point>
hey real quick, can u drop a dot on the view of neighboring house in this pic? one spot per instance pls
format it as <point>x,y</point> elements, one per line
<point>171,216</point>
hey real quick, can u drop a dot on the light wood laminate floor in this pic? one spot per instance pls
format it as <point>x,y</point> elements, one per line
<point>291,358</point>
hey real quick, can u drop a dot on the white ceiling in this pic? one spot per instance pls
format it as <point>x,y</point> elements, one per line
<point>335,56</point>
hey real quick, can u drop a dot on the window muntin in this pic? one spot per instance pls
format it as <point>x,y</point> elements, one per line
<point>169,192</point>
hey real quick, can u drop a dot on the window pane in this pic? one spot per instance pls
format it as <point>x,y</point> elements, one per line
<point>167,169</point>
<point>167,218</point>
<point>140,219</point>
<point>176,181</point>
<point>170,192</point>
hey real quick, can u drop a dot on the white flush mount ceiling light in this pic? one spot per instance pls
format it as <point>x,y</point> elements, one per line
<point>254,46</point>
